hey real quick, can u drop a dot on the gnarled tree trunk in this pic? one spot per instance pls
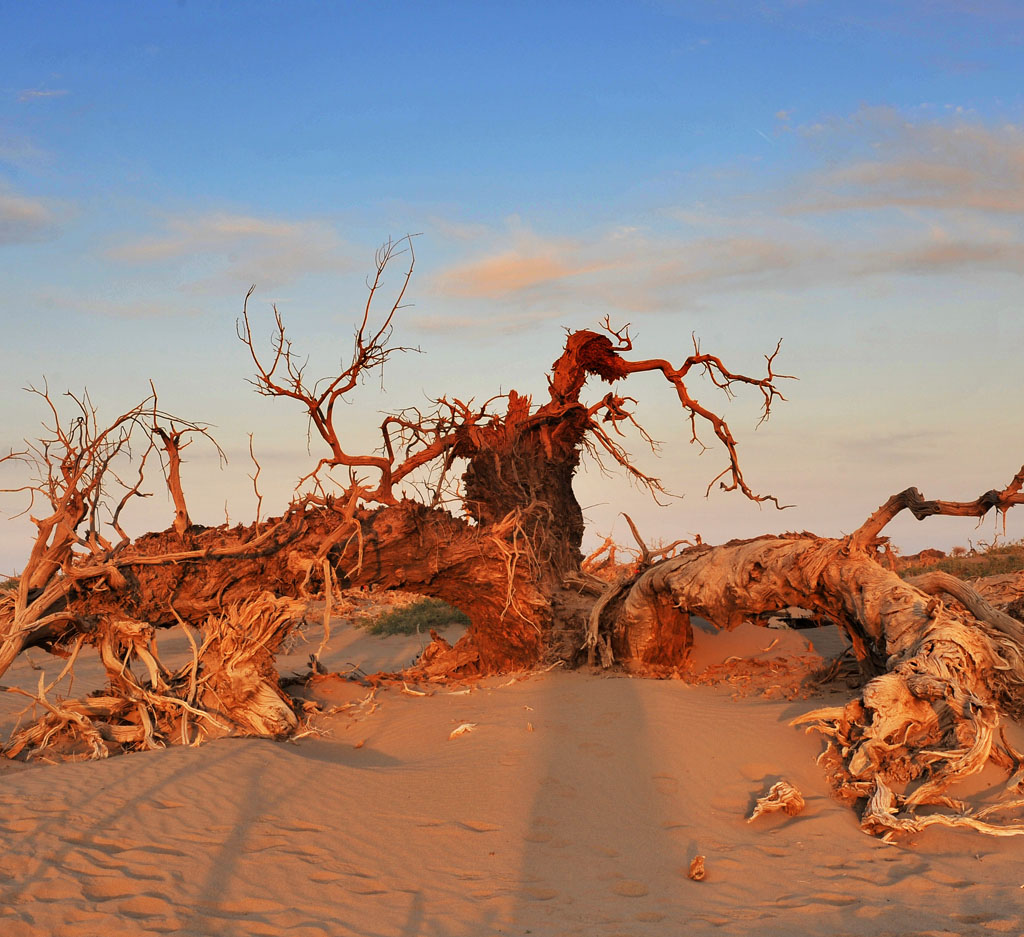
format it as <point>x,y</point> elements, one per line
<point>943,676</point>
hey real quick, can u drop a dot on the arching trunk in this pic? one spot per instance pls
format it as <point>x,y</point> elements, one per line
<point>943,675</point>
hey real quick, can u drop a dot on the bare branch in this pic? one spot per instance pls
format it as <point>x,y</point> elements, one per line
<point>912,500</point>
<point>284,376</point>
<point>255,484</point>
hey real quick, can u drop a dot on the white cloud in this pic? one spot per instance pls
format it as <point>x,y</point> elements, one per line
<point>239,248</point>
<point>901,163</point>
<point>32,94</point>
<point>900,197</point>
<point>24,219</point>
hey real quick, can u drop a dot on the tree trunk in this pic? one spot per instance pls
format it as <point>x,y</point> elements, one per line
<point>942,676</point>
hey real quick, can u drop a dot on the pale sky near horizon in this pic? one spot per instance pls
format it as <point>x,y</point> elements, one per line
<point>846,177</point>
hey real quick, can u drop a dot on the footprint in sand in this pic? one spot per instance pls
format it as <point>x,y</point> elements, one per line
<point>757,770</point>
<point>537,893</point>
<point>558,788</point>
<point>59,889</point>
<point>146,905</point>
<point>630,889</point>
<point>665,784</point>
<point>837,899</point>
<point>107,888</point>
<point>475,826</point>
<point>950,881</point>
<point>869,912</point>
<point>21,825</point>
<point>973,918</point>
<point>324,878</point>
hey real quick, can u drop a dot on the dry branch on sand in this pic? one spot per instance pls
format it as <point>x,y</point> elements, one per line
<point>942,675</point>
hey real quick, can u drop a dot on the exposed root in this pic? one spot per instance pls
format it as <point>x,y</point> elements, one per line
<point>782,796</point>
<point>229,687</point>
<point>883,817</point>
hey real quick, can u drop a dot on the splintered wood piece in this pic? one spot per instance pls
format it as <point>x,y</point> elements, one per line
<point>697,870</point>
<point>781,796</point>
<point>462,730</point>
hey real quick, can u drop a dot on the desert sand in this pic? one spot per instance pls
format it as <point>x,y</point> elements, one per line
<point>573,806</point>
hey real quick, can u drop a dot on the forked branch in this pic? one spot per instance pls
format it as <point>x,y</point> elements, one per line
<point>283,375</point>
<point>589,353</point>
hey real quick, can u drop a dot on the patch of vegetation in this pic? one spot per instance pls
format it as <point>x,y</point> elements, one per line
<point>418,618</point>
<point>1007,558</point>
<point>8,585</point>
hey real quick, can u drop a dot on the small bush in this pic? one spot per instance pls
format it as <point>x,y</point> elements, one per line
<point>1007,558</point>
<point>417,618</point>
<point>8,585</point>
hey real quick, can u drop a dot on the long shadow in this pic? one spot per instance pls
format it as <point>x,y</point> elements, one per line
<point>597,823</point>
<point>107,822</point>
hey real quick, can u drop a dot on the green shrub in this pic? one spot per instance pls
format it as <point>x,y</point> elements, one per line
<point>419,617</point>
<point>1008,558</point>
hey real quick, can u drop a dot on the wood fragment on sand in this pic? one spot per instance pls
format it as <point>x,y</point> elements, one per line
<point>781,796</point>
<point>697,871</point>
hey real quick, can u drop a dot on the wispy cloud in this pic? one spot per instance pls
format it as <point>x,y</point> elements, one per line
<point>625,268</point>
<point>17,150</point>
<point>945,257</point>
<point>187,235</point>
<point>33,94</point>
<point>249,248</point>
<point>63,301</point>
<point>509,272</point>
<point>900,197</point>
<point>24,219</point>
<point>933,164</point>
<point>875,448</point>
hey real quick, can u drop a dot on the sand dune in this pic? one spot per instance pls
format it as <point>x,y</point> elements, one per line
<point>574,806</point>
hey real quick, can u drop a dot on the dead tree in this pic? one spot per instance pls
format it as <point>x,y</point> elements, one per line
<point>509,557</point>
<point>512,561</point>
<point>498,534</point>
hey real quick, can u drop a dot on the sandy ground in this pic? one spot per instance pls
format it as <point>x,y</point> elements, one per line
<point>573,807</point>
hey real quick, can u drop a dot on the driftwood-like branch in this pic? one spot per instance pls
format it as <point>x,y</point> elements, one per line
<point>589,353</point>
<point>941,679</point>
<point>912,500</point>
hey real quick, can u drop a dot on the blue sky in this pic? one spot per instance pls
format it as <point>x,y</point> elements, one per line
<point>848,177</point>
